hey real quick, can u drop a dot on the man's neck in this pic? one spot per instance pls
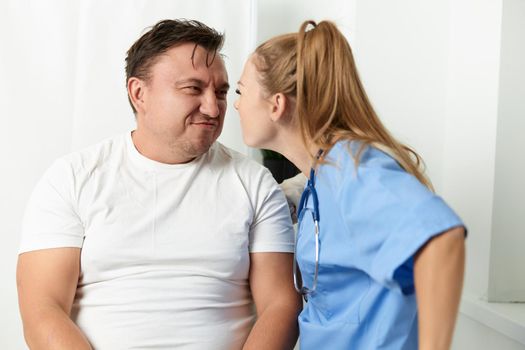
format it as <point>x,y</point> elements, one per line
<point>158,151</point>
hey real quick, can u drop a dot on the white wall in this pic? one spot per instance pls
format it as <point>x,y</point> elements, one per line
<point>401,49</point>
<point>507,277</point>
<point>277,17</point>
<point>471,118</point>
<point>432,70</point>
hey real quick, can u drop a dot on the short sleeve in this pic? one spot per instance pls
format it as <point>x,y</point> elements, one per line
<point>51,219</point>
<point>271,230</point>
<point>391,215</point>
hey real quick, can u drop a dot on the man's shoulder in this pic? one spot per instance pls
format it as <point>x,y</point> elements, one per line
<point>245,167</point>
<point>95,155</point>
<point>224,153</point>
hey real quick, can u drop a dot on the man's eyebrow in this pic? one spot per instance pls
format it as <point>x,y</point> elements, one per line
<point>189,81</point>
<point>240,83</point>
<point>198,83</point>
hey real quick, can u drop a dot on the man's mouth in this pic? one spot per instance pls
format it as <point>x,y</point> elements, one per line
<point>206,124</point>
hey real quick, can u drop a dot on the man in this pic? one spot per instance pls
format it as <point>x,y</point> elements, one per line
<point>161,238</point>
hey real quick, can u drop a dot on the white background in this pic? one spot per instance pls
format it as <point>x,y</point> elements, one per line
<point>443,75</point>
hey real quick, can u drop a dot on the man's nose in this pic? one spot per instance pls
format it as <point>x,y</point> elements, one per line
<point>210,105</point>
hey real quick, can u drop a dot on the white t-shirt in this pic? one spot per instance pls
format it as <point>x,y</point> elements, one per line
<point>165,248</point>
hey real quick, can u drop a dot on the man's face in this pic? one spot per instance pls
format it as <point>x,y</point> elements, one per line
<point>183,103</point>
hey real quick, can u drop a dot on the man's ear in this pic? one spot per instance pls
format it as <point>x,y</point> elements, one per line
<point>136,92</point>
<point>278,106</point>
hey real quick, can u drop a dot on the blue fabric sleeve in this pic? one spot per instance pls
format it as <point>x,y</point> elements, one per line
<point>391,215</point>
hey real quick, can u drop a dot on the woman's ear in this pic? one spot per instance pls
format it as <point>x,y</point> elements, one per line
<point>278,106</point>
<point>136,92</point>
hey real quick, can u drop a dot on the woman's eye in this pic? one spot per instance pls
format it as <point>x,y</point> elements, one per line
<point>237,91</point>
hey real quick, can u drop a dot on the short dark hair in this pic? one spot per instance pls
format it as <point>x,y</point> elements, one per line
<point>163,36</point>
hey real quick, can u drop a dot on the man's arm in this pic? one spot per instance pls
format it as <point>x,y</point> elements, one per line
<point>438,273</point>
<point>276,301</point>
<point>47,280</point>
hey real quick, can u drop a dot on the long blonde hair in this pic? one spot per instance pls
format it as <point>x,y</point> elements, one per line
<point>317,68</point>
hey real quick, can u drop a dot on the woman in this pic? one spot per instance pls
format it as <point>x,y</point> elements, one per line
<point>380,255</point>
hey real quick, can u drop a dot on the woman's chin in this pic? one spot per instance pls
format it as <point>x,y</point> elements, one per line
<point>250,142</point>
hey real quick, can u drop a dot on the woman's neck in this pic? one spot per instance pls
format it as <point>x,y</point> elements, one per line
<point>290,144</point>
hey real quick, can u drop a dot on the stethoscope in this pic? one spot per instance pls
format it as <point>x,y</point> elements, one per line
<point>309,190</point>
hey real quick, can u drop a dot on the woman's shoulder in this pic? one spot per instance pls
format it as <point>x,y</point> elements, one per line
<point>355,154</point>
<point>374,172</point>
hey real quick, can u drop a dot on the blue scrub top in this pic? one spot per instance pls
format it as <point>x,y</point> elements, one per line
<point>372,220</point>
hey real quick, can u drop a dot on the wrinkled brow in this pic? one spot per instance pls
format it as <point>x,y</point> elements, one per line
<point>199,83</point>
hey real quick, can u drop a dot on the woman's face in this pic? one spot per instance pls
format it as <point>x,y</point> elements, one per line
<point>254,108</point>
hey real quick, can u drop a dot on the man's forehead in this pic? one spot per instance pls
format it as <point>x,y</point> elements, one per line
<point>178,60</point>
<point>196,54</point>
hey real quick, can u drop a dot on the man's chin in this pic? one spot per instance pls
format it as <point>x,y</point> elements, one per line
<point>202,147</point>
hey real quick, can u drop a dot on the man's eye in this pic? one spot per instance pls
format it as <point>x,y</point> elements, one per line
<point>221,94</point>
<point>193,89</point>
<point>237,91</point>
